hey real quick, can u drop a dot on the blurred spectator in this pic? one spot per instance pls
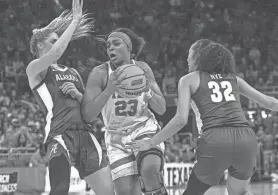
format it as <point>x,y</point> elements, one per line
<point>39,158</point>
<point>268,150</point>
<point>169,82</point>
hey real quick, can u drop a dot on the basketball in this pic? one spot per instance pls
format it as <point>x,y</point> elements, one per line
<point>134,83</point>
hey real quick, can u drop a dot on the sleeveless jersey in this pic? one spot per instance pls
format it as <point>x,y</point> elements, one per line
<point>216,102</point>
<point>120,113</point>
<point>61,110</point>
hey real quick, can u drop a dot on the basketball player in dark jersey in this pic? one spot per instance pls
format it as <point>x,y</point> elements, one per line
<point>226,141</point>
<point>58,90</point>
<point>126,119</point>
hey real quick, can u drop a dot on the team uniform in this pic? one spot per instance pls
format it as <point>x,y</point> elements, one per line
<point>226,140</point>
<point>65,132</point>
<point>122,114</point>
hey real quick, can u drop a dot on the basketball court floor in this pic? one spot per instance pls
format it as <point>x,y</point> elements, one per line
<point>256,188</point>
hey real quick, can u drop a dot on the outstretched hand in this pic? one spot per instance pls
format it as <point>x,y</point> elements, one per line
<point>77,6</point>
<point>140,145</point>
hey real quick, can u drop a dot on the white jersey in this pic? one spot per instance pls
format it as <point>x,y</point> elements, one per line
<point>122,113</point>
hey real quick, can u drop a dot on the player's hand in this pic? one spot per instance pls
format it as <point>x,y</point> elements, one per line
<point>77,6</point>
<point>140,145</point>
<point>148,76</point>
<point>69,88</point>
<point>115,80</point>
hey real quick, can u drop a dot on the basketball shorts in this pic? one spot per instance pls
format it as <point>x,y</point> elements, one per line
<point>123,161</point>
<point>219,149</point>
<point>81,149</point>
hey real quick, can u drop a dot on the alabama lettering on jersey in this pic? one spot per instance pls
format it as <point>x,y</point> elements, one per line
<point>216,102</point>
<point>122,113</point>
<point>61,110</point>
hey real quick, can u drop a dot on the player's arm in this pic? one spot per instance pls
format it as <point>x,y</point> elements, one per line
<point>248,91</point>
<point>94,97</point>
<point>181,117</point>
<point>156,98</point>
<point>79,96</point>
<point>38,65</point>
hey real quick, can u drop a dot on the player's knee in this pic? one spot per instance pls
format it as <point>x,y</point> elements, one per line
<point>150,166</point>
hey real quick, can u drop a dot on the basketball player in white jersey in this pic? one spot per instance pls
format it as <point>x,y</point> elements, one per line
<point>127,119</point>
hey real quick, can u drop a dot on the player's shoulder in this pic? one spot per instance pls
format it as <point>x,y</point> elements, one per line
<point>101,69</point>
<point>142,64</point>
<point>191,77</point>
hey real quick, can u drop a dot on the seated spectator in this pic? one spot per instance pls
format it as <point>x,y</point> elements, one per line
<point>251,74</point>
<point>260,85</point>
<point>169,155</point>
<point>39,158</point>
<point>268,150</point>
<point>169,83</point>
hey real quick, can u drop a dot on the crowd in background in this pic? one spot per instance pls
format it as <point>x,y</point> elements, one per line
<point>169,27</point>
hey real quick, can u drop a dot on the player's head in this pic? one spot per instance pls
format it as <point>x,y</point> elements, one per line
<point>194,52</point>
<point>216,58</point>
<point>123,44</point>
<point>43,39</point>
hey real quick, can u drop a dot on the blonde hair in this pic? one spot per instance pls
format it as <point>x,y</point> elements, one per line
<point>59,25</point>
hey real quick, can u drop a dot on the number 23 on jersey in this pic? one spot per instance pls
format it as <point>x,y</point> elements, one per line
<point>217,95</point>
<point>126,108</point>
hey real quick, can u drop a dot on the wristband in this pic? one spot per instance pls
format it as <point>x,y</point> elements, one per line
<point>150,93</point>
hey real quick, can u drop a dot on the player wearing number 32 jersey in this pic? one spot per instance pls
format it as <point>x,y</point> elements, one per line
<point>226,140</point>
<point>127,119</point>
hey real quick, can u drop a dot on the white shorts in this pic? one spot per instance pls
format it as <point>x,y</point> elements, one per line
<point>123,161</point>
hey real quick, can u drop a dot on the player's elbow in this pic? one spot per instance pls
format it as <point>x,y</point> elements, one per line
<point>181,121</point>
<point>274,104</point>
<point>161,110</point>
<point>87,117</point>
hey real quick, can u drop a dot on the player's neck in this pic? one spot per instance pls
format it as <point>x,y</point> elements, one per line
<point>115,66</point>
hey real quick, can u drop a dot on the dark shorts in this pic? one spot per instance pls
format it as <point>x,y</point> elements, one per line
<point>219,149</point>
<point>81,149</point>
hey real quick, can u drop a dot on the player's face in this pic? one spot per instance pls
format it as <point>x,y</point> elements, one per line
<point>191,59</point>
<point>48,42</point>
<point>117,51</point>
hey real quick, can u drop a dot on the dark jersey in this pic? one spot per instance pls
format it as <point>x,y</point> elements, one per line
<point>61,110</point>
<point>217,102</point>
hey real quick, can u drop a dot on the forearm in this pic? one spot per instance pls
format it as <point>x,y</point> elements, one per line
<point>158,103</point>
<point>90,110</point>
<point>62,43</point>
<point>274,104</point>
<point>79,97</point>
<point>176,124</point>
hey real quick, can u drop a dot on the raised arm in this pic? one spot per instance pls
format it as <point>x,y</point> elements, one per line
<point>248,91</point>
<point>38,65</point>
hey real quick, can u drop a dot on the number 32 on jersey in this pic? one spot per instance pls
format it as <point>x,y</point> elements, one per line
<point>217,95</point>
